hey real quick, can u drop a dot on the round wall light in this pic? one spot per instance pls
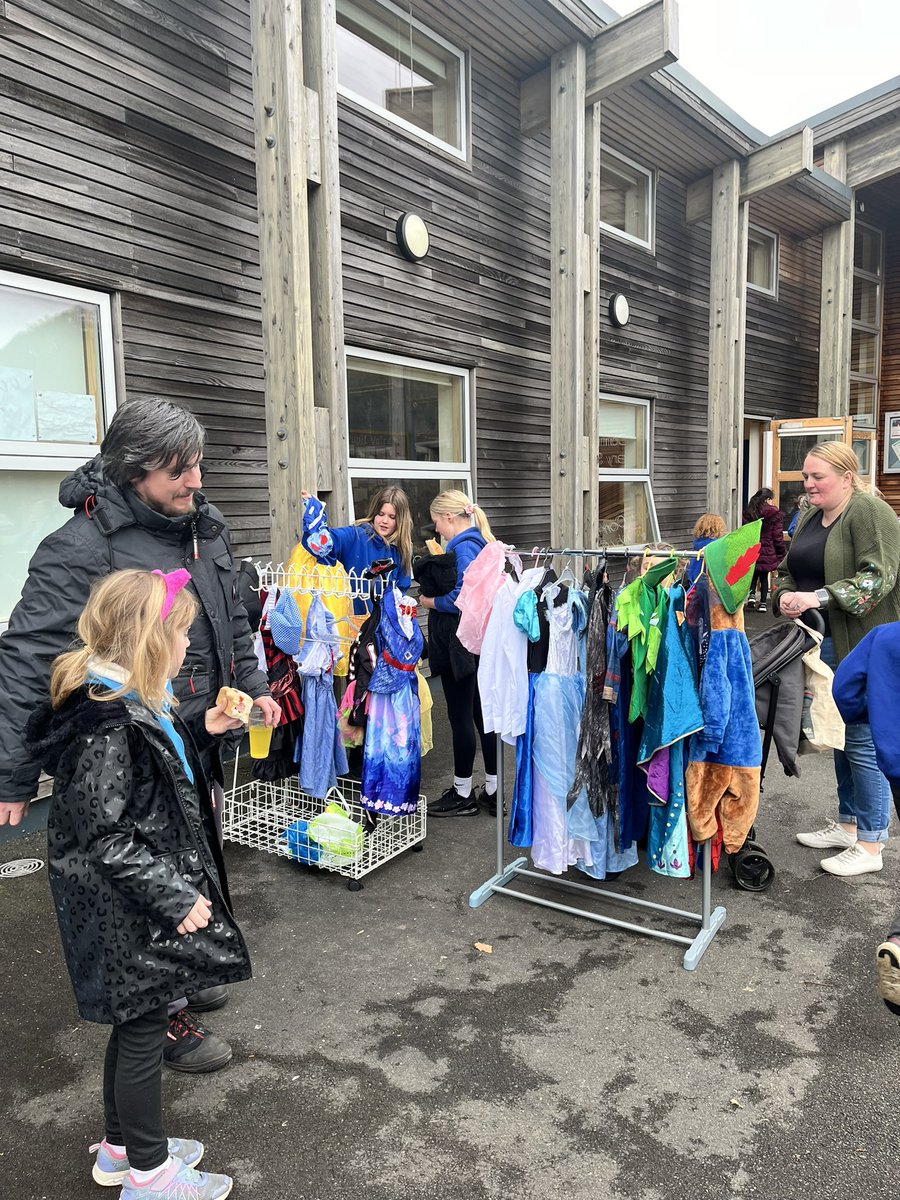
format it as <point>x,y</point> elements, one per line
<point>619,310</point>
<point>412,236</point>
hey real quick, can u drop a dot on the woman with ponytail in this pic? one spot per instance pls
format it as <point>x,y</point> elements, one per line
<point>465,531</point>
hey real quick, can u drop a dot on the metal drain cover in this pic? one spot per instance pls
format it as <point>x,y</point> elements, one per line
<point>20,866</point>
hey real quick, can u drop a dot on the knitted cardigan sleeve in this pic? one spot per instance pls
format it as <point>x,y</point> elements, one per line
<point>873,532</point>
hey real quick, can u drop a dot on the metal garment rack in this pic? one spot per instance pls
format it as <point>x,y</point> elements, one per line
<point>709,919</point>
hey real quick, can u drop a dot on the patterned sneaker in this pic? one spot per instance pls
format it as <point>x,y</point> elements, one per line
<point>831,837</point>
<point>178,1182</point>
<point>852,861</point>
<point>887,960</point>
<point>109,1170</point>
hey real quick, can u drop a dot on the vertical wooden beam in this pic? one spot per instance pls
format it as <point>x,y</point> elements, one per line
<point>590,484</point>
<point>329,361</point>
<point>835,330</point>
<point>280,116</point>
<point>567,271</point>
<point>727,289</point>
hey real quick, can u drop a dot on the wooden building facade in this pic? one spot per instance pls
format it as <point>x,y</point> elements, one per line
<point>212,195</point>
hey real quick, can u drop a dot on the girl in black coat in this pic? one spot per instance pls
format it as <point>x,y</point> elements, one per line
<point>134,863</point>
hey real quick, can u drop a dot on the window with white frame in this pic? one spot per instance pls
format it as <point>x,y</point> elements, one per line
<point>392,64</point>
<point>865,338</point>
<point>408,423</point>
<point>627,510</point>
<point>57,395</point>
<point>626,198</point>
<point>762,261</point>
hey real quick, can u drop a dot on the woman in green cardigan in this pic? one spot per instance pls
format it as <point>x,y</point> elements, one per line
<point>845,560</point>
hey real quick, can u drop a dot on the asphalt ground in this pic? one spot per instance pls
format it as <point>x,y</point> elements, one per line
<point>379,1054</point>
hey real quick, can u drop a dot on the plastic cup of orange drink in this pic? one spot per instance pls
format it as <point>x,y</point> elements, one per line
<point>260,734</point>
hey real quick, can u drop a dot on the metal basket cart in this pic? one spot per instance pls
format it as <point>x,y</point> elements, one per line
<point>265,816</point>
<point>273,816</point>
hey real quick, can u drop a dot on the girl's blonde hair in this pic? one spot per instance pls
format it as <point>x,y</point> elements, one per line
<point>710,525</point>
<point>402,535</point>
<point>842,458</point>
<point>122,624</point>
<point>454,503</point>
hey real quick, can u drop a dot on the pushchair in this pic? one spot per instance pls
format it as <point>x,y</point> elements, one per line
<point>778,681</point>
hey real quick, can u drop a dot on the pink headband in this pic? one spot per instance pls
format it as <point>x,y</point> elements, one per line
<point>469,509</point>
<point>174,581</point>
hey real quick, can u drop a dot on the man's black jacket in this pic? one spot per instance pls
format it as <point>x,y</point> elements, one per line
<point>112,529</point>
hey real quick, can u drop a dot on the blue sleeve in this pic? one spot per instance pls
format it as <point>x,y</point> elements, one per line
<point>346,546</point>
<point>850,682</point>
<point>466,553</point>
<point>715,698</point>
<point>402,578</point>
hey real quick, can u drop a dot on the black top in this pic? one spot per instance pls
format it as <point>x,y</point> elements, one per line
<point>806,557</point>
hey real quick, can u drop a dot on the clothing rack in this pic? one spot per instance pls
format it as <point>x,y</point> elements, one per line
<point>613,552</point>
<point>307,581</point>
<point>273,816</point>
<point>709,919</point>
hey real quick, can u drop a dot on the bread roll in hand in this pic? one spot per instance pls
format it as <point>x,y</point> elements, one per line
<point>237,704</point>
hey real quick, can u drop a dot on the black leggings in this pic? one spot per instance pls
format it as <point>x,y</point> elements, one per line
<point>464,714</point>
<point>132,1088</point>
<point>760,584</point>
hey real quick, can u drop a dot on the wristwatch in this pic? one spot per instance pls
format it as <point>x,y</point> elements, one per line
<point>823,597</point>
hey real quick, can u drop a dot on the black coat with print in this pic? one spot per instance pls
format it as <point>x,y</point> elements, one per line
<point>130,848</point>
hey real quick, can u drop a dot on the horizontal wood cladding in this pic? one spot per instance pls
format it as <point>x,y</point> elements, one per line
<point>662,354</point>
<point>782,362</point>
<point>127,164</point>
<point>481,299</point>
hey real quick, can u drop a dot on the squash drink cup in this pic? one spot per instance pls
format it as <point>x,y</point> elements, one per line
<point>260,734</point>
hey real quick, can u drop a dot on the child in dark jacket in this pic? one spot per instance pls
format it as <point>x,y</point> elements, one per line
<point>865,690</point>
<point>135,868</point>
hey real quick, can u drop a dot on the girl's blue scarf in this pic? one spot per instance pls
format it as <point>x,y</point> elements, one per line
<point>111,675</point>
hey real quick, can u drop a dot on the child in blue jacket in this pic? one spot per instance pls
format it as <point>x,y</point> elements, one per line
<point>866,690</point>
<point>384,532</point>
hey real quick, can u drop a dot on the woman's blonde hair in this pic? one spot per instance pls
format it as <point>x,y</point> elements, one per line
<point>710,525</point>
<point>454,503</point>
<point>402,535</point>
<point>842,458</point>
<point>122,624</point>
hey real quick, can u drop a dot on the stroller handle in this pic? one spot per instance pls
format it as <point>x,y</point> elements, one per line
<point>814,619</point>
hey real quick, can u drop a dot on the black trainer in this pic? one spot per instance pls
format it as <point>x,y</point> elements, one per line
<point>191,1048</point>
<point>452,804</point>
<point>208,998</point>
<point>489,803</point>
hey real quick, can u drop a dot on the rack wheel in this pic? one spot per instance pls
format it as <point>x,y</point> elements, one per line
<point>354,885</point>
<point>418,847</point>
<point>753,870</point>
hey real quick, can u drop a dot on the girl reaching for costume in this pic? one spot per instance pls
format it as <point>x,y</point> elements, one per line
<point>135,868</point>
<point>384,532</point>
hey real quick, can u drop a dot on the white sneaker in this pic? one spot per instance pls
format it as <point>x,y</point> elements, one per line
<point>852,861</point>
<point>831,837</point>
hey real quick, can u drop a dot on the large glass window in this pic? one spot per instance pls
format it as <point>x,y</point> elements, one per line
<point>762,261</point>
<point>390,62</point>
<point>57,395</point>
<point>627,512</point>
<point>626,198</point>
<point>865,349</point>
<point>408,423</point>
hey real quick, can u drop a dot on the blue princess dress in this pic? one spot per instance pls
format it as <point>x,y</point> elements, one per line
<point>392,753</point>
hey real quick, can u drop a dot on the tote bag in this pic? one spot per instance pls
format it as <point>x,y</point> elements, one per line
<point>821,726</point>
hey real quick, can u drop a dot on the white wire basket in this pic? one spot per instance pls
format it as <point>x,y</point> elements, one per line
<point>270,817</point>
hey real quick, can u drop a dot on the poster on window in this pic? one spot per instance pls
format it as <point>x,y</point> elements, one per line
<point>17,420</point>
<point>892,443</point>
<point>66,417</point>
